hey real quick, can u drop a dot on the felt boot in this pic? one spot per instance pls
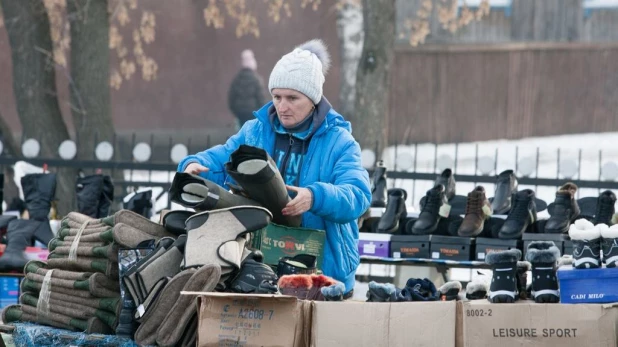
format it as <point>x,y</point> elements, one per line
<point>213,236</point>
<point>112,305</point>
<point>91,326</point>
<point>174,221</point>
<point>610,245</point>
<point>256,172</point>
<point>98,285</point>
<point>55,243</point>
<point>586,238</point>
<point>109,252</point>
<point>204,280</point>
<point>201,194</point>
<point>503,288</point>
<point>544,255</point>
<point>83,264</point>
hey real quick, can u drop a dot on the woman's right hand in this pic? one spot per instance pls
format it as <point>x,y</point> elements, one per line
<point>196,168</point>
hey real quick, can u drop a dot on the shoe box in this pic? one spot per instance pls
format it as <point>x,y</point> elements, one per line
<point>588,285</point>
<point>410,246</point>
<point>374,245</point>
<point>452,248</point>
<point>558,239</point>
<point>486,245</point>
<point>9,291</point>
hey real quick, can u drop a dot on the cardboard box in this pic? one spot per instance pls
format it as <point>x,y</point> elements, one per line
<point>375,245</point>
<point>227,319</point>
<point>354,323</point>
<point>579,286</point>
<point>410,246</point>
<point>452,248</point>
<point>530,324</point>
<point>278,241</point>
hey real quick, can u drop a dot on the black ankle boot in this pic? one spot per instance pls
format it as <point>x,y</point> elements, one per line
<point>565,210</point>
<point>447,179</point>
<point>378,186</point>
<point>605,208</point>
<point>503,288</point>
<point>429,217</point>
<point>544,255</point>
<point>506,187</point>
<point>521,216</point>
<point>395,211</point>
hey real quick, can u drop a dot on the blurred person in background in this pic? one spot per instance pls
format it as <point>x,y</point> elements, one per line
<point>246,92</point>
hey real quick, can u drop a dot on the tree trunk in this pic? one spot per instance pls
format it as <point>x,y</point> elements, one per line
<point>350,33</point>
<point>89,87</point>
<point>372,79</point>
<point>34,85</point>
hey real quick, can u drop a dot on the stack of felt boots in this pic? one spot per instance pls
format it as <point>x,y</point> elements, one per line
<point>82,301</point>
<point>201,194</point>
<point>258,176</point>
<point>95,194</point>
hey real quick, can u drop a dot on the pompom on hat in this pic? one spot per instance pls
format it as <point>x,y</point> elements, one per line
<point>302,70</point>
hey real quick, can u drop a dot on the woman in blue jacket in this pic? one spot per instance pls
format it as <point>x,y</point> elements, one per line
<point>315,152</point>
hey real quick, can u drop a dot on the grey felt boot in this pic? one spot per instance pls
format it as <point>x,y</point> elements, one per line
<point>201,194</point>
<point>256,172</point>
<point>217,237</point>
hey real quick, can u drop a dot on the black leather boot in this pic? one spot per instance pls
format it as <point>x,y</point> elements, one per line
<point>521,215</point>
<point>506,187</point>
<point>447,179</point>
<point>605,208</point>
<point>429,217</point>
<point>564,211</point>
<point>378,186</point>
<point>395,211</point>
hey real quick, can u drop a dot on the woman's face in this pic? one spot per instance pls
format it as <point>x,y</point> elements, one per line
<point>292,107</point>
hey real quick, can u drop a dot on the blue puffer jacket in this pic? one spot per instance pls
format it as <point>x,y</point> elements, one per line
<point>332,171</point>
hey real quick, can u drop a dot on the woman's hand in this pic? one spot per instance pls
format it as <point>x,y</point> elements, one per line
<point>196,169</point>
<point>300,204</point>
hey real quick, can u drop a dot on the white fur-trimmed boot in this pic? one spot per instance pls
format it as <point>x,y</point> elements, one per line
<point>610,245</point>
<point>586,244</point>
<point>543,256</point>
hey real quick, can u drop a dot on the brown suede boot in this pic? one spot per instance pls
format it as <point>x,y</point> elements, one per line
<point>478,210</point>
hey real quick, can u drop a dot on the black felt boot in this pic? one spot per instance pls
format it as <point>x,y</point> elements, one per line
<point>544,255</point>
<point>503,288</point>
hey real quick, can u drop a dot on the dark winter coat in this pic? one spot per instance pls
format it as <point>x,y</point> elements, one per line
<point>246,95</point>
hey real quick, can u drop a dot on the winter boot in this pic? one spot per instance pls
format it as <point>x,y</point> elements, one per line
<point>433,208</point>
<point>140,203</point>
<point>201,194</point>
<point>218,237</point>
<point>610,245</point>
<point>378,186</point>
<point>381,292</point>
<point>478,210</point>
<point>174,221</point>
<point>522,278</point>
<point>106,198</point>
<point>421,290</point>
<point>565,210</point>
<point>450,291</point>
<point>503,288</point>
<point>256,172</point>
<point>478,287</point>
<point>299,264</point>
<point>506,187</point>
<point>252,273</point>
<point>19,236</point>
<point>521,216</point>
<point>586,240</point>
<point>544,255</point>
<point>447,179</point>
<point>89,190</point>
<point>605,208</point>
<point>395,211</point>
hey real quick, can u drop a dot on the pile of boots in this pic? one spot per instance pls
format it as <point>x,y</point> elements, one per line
<point>39,191</point>
<point>416,289</point>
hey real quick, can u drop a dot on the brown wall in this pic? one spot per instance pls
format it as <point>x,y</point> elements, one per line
<point>454,93</point>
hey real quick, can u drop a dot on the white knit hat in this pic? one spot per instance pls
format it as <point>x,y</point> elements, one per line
<point>302,70</point>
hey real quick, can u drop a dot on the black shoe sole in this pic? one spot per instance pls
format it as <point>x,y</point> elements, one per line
<point>547,299</point>
<point>502,299</point>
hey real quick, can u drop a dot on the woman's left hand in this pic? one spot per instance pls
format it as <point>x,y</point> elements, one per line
<point>300,204</point>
